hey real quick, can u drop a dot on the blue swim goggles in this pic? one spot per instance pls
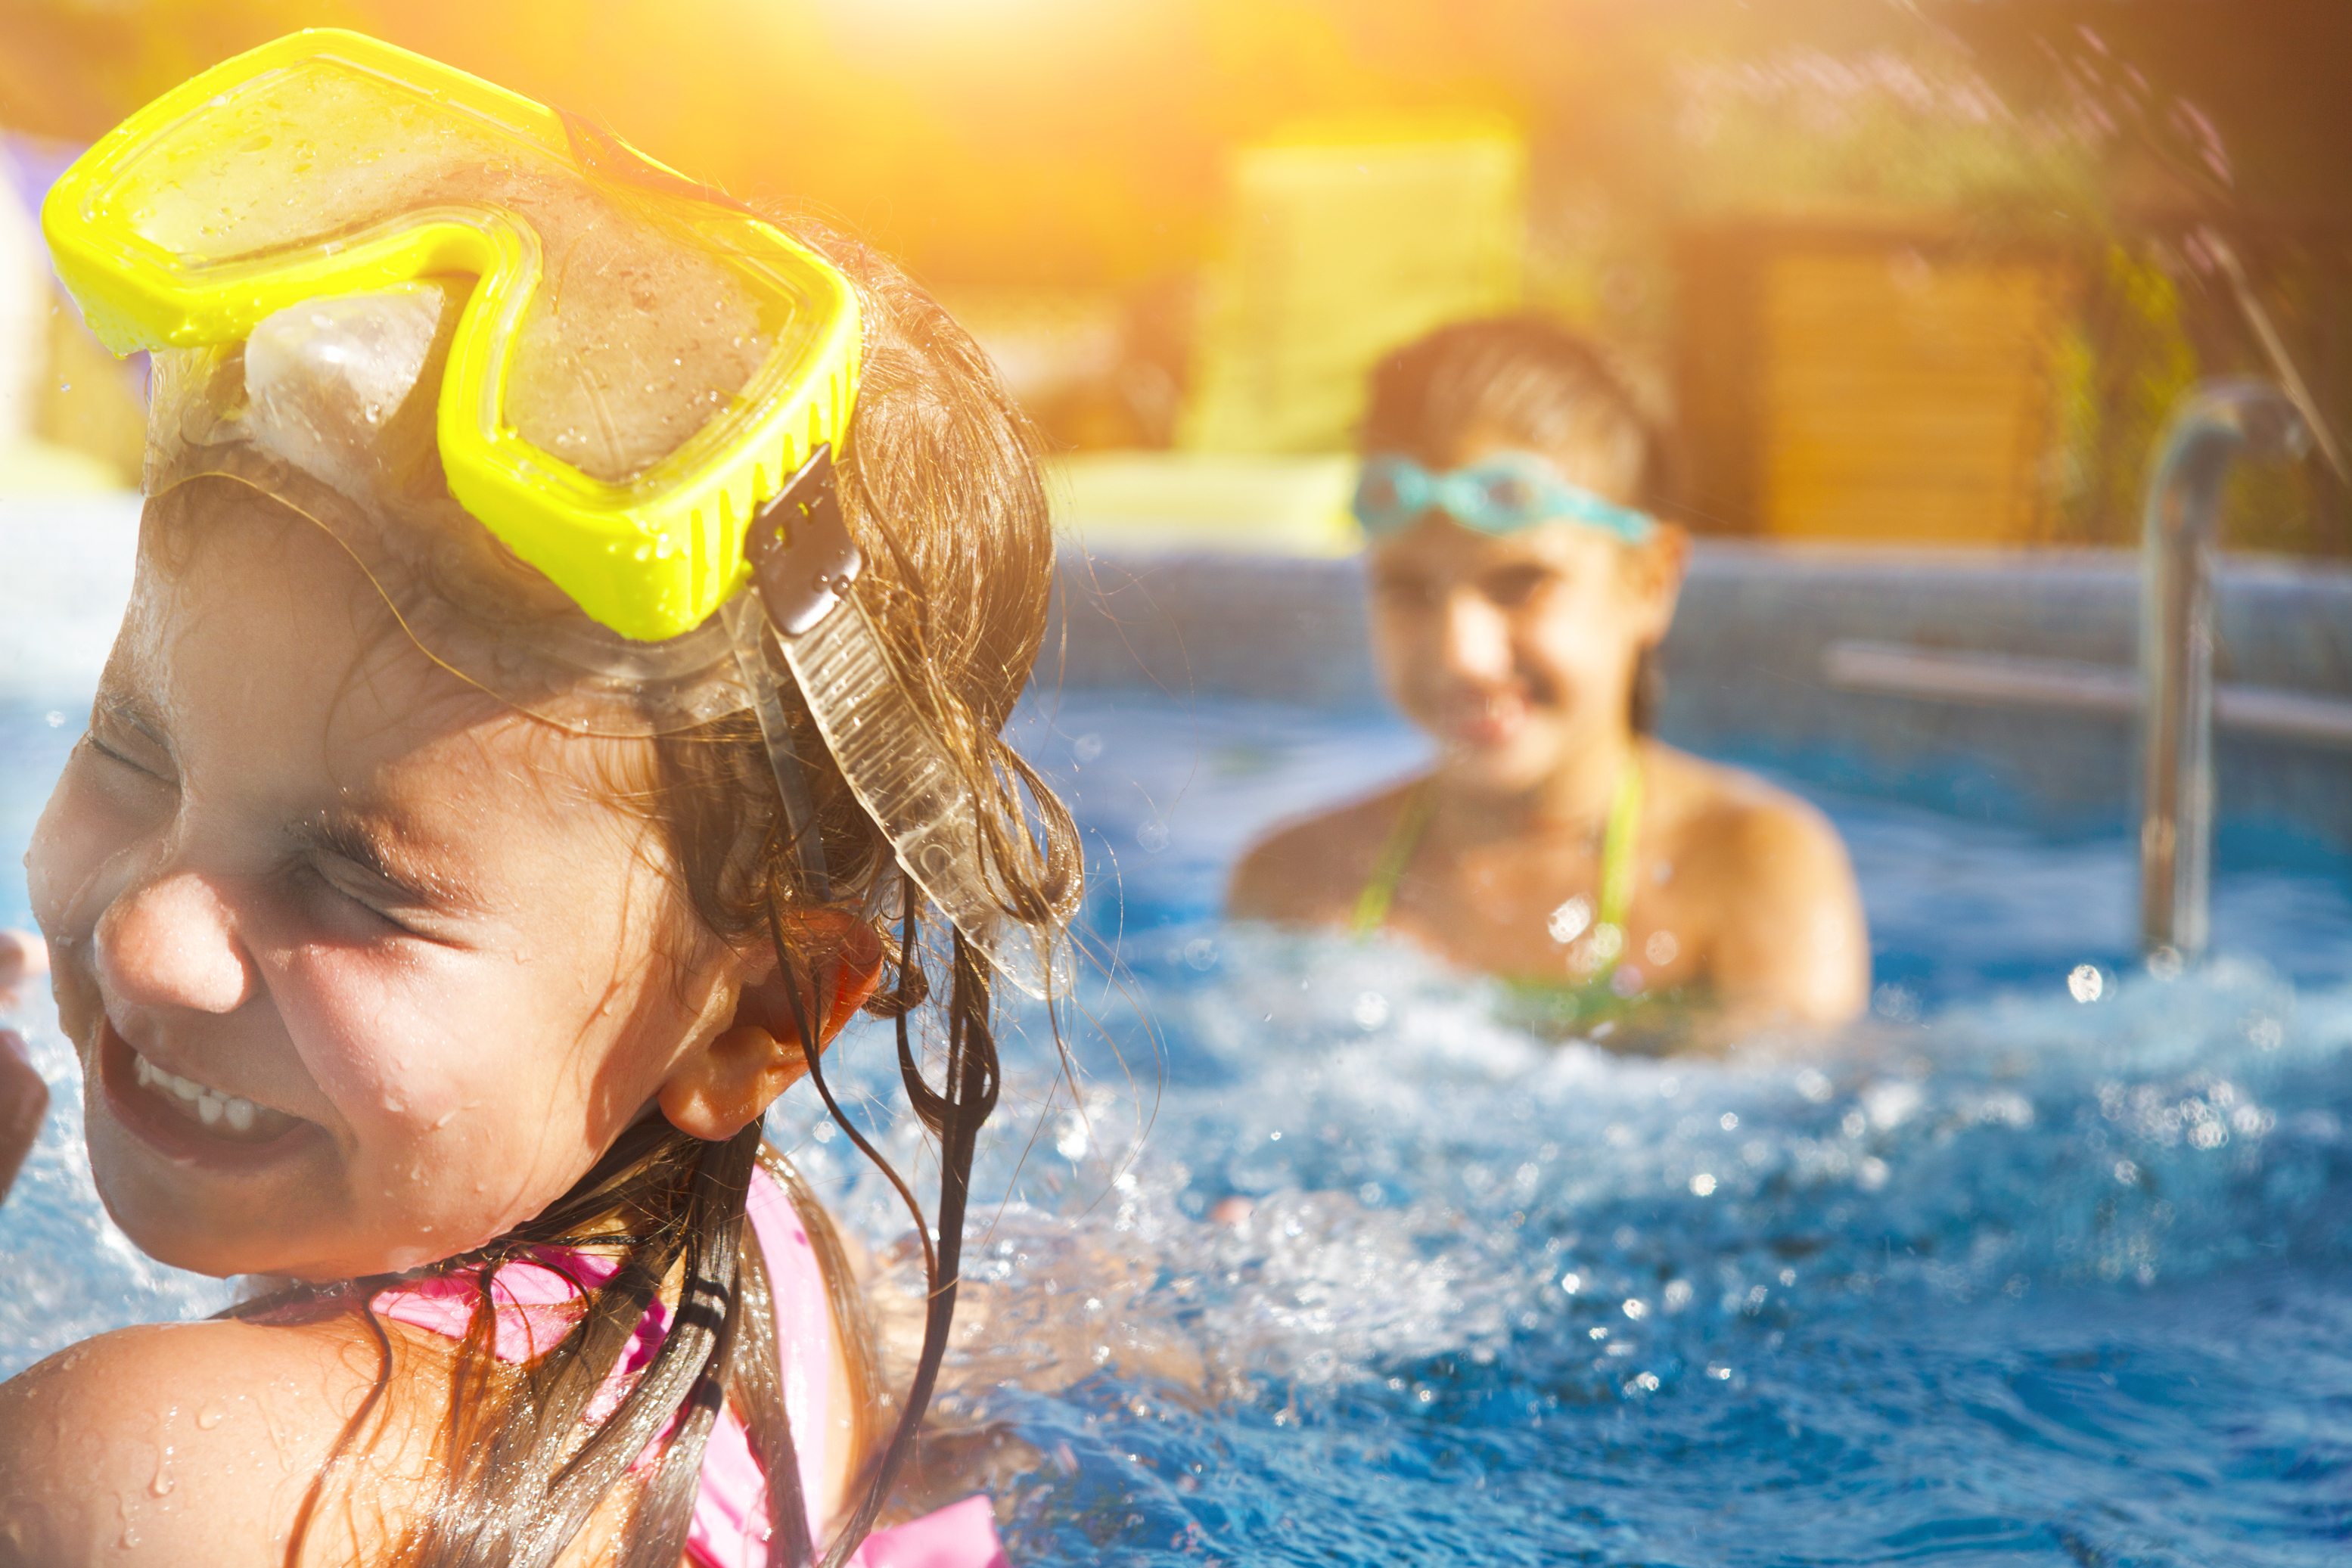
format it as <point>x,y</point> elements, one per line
<point>1509,491</point>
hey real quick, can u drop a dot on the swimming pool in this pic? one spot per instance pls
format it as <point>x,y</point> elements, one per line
<point>2018,1276</point>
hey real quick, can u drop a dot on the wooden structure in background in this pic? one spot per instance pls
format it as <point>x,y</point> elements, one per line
<point>1872,382</point>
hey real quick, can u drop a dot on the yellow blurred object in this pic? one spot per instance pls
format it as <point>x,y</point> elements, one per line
<point>29,466</point>
<point>1173,502</point>
<point>86,411</point>
<point>1346,243</point>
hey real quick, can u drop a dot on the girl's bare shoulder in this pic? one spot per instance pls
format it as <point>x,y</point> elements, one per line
<point>1310,870</point>
<point>180,1443</point>
<point>1725,808</point>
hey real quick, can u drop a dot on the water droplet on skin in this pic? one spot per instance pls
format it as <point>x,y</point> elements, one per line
<point>209,1416</point>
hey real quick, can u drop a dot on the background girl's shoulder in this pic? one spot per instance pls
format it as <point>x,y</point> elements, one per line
<point>180,1443</point>
<point>1731,808</point>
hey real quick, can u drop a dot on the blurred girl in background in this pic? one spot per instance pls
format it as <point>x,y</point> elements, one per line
<point>1521,587</point>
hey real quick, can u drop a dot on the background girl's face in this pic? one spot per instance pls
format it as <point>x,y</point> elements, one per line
<point>359,975</point>
<point>1516,650</point>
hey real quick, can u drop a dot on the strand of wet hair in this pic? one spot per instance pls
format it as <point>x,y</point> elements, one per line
<point>956,1117</point>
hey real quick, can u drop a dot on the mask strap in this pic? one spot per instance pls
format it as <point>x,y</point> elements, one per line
<point>801,561</point>
<point>748,629</point>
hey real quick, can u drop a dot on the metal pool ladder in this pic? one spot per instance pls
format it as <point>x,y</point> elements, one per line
<point>2214,425</point>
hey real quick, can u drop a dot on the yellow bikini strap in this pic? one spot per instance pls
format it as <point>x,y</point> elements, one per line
<point>1372,909</point>
<point>1617,853</point>
<point>1617,856</point>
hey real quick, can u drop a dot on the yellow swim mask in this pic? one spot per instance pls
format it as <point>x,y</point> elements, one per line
<point>327,164</point>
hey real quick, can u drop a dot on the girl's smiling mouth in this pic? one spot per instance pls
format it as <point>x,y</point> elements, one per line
<point>185,1120</point>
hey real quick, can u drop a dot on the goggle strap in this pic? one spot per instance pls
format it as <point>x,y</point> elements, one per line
<point>748,630</point>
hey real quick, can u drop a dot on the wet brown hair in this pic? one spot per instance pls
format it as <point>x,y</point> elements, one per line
<point>1541,385</point>
<point>941,490</point>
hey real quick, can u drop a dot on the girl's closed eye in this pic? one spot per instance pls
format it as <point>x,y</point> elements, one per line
<point>121,738</point>
<point>352,884</point>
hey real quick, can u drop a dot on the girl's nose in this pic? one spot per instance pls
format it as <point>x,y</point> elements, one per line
<point>1474,643</point>
<point>171,941</point>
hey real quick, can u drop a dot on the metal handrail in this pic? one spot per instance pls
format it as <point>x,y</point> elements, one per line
<point>2214,424</point>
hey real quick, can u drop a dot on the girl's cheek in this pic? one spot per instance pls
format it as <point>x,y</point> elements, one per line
<point>402,1049</point>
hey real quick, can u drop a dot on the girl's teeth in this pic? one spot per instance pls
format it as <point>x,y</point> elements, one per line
<point>211,1106</point>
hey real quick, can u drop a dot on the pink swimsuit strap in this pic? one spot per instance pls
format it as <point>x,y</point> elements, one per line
<point>537,1303</point>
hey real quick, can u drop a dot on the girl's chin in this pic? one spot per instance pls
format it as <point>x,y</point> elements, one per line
<point>1509,765</point>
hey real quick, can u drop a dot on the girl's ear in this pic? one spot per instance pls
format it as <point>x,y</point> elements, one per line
<point>1653,571</point>
<point>716,1090</point>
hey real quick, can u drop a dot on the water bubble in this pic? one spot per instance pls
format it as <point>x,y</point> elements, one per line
<point>1572,1283</point>
<point>1568,922</point>
<point>1891,1104</point>
<point>821,1132</point>
<point>1644,1382</point>
<point>57,719</point>
<point>1679,1295</point>
<point>2085,984</point>
<point>1200,952</point>
<point>2128,1173</point>
<point>1661,948</point>
<point>1895,1003</point>
<point>2164,964</point>
<point>1728,1121</point>
<point>1869,1172</point>
<point>1370,1011</point>
<point>1813,1085</point>
<point>1086,747</point>
<point>1636,1308</point>
<point>1703,1184</point>
<point>1152,836</point>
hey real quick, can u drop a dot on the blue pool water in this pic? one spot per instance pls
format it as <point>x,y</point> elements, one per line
<point>2009,1277</point>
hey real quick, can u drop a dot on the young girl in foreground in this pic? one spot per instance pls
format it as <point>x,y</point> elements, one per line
<point>1517,593</point>
<point>491,805</point>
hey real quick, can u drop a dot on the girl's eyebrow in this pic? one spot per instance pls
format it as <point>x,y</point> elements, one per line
<point>369,842</point>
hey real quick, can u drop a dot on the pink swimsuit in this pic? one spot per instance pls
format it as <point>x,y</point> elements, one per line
<point>731,1512</point>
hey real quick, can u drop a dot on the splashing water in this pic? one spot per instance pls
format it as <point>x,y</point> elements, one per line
<point>2029,1269</point>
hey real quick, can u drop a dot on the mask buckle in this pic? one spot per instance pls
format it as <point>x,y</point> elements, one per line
<point>803,559</point>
